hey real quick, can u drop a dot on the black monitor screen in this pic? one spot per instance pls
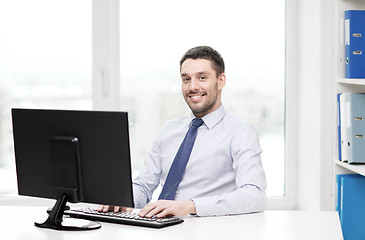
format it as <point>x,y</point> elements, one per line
<point>83,155</point>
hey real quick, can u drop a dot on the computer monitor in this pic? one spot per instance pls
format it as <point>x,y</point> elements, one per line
<point>73,156</point>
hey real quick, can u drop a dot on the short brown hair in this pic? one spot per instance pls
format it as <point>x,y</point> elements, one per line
<point>205,52</point>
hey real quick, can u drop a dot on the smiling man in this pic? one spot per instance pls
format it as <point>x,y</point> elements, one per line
<point>208,163</point>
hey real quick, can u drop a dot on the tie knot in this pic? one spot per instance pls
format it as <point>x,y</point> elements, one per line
<point>197,122</point>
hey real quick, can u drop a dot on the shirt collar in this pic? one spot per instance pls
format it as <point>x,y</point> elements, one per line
<point>211,119</point>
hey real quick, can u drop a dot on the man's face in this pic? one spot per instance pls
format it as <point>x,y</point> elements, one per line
<point>201,87</point>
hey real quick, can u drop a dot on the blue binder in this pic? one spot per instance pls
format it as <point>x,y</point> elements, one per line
<point>339,138</point>
<point>342,125</point>
<point>351,209</point>
<point>355,127</point>
<point>338,191</point>
<point>355,43</point>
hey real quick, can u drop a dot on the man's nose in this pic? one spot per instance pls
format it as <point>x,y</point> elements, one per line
<point>194,84</point>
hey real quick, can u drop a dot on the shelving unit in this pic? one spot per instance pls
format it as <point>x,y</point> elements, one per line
<point>343,84</point>
<point>350,223</point>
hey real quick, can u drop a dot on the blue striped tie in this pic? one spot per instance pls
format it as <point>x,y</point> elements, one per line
<point>178,166</point>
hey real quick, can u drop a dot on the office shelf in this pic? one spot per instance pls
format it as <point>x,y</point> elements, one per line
<point>351,85</point>
<point>355,168</point>
<point>352,81</point>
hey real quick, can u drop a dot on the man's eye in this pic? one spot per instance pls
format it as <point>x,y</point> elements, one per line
<point>202,77</point>
<point>185,79</point>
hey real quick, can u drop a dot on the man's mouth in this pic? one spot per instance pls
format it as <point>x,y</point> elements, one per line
<point>196,97</point>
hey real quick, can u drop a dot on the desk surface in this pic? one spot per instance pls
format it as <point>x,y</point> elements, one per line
<point>18,223</point>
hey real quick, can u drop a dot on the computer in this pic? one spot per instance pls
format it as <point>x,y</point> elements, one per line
<point>75,156</point>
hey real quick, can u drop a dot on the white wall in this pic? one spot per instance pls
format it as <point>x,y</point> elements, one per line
<point>315,126</point>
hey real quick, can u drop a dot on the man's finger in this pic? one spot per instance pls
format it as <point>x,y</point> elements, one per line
<point>106,208</point>
<point>163,213</point>
<point>147,209</point>
<point>102,207</point>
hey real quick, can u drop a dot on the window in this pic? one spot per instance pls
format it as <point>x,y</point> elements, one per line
<point>45,62</point>
<point>251,39</point>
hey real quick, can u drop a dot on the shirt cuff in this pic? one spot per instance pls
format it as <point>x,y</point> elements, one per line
<point>204,206</point>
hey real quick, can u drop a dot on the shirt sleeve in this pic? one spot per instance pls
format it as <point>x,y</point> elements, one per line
<point>249,195</point>
<point>149,177</point>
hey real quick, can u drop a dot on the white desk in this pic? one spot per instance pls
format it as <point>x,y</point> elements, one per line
<point>18,223</point>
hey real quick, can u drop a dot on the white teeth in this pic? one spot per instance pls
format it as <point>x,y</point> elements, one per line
<point>195,96</point>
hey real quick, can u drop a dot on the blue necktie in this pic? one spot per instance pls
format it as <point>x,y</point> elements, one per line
<point>178,166</point>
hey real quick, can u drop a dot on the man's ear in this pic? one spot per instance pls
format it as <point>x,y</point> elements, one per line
<point>221,81</point>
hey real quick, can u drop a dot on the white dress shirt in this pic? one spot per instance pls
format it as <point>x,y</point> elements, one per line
<point>224,174</point>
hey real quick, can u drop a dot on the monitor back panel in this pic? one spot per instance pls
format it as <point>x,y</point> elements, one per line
<point>104,153</point>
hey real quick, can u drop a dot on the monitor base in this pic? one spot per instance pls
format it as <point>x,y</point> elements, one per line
<point>56,220</point>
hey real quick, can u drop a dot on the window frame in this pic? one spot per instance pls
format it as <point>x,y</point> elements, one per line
<point>105,55</point>
<point>288,201</point>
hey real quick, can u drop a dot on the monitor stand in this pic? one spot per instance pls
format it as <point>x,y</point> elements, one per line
<point>56,221</point>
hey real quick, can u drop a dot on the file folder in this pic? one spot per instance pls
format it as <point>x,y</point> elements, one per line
<point>342,135</point>
<point>351,189</point>
<point>355,43</point>
<point>338,192</point>
<point>355,127</point>
<point>339,127</point>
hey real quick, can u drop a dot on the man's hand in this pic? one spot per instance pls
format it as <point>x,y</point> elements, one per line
<point>107,208</point>
<point>163,208</point>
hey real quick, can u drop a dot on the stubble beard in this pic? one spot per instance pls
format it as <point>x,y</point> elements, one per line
<point>207,105</point>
